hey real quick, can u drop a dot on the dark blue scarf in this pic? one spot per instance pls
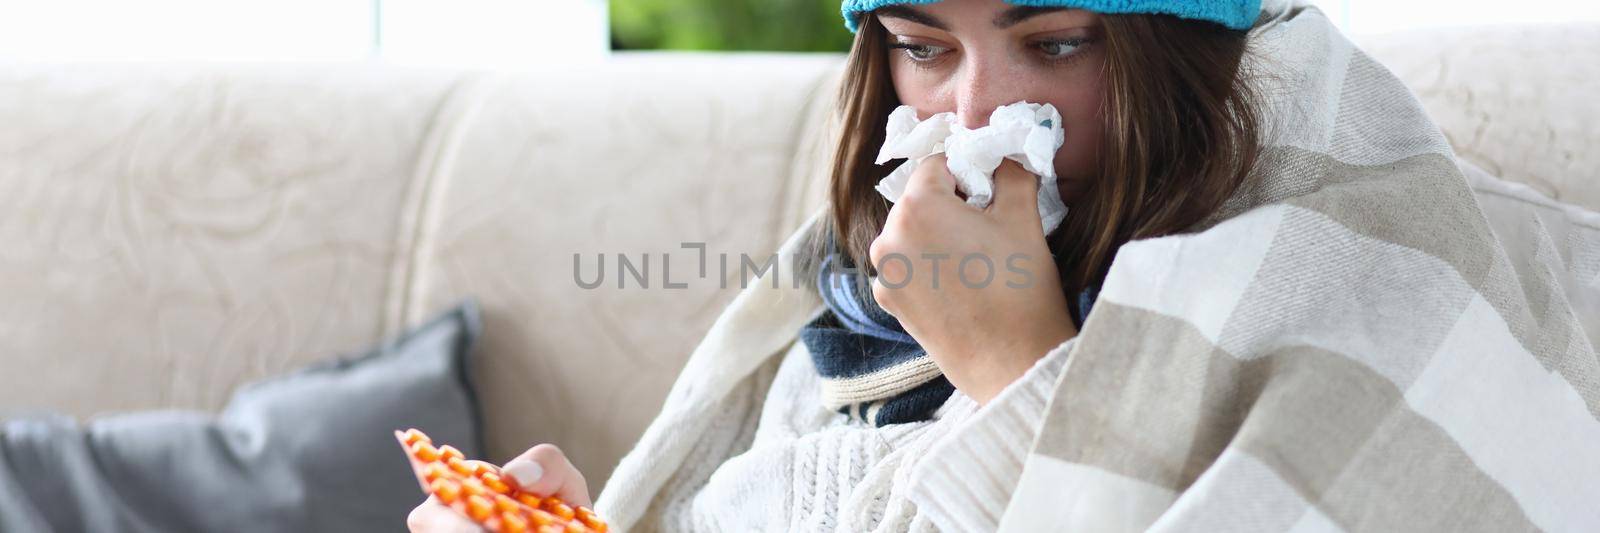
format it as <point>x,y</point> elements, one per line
<point>854,338</point>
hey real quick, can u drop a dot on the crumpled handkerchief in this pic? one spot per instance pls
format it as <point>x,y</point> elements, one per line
<point>1024,132</point>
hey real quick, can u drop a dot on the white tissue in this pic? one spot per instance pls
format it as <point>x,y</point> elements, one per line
<point>1023,132</point>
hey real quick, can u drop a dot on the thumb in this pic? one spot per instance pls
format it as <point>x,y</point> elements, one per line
<point>1016,194</point>
<point>932,176</point>
<point>545,471</point>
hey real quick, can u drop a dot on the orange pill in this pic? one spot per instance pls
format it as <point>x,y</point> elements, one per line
<point>447,451</point>
<point>574,527</point>
<point>529,500</point>
<point>480,468</point>
<point>425,452</point>
<point>552,528</point>
<point>494,483</point>
<point>446,490</point>
<point>506,505</point>
<point>472,487</point>
<point>560,509</point>
<point>412,436</point>
<point>479,507</point>
<point>541,518</point>
<point>590,519</point>
<point>433,471</point>
<point>513,523</point>
<point>455,463</point>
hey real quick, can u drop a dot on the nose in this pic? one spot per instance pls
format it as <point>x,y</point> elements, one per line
<point>982,86</point>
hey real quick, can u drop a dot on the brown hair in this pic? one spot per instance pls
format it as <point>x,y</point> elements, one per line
<point>1180,136</point>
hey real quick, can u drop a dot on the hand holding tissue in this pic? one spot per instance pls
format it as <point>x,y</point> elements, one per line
<point>1023,132</point>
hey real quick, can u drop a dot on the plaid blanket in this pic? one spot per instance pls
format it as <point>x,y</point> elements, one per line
<point>1345,346</point>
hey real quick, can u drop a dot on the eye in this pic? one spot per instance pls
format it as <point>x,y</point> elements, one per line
<point>1061,49</point>
<point>920,52</point>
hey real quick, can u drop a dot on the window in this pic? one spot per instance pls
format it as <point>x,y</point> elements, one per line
<point>492,33</point>
<point>476,33</point>
<point>514,33</point>
<point>1386,16</point>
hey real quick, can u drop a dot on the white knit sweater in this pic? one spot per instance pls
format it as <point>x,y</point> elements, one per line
<point>789,464</point>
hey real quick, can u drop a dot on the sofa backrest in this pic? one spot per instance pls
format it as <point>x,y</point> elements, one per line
<point>1518,101</point>
<point>632,162</point>
<point>173,231</point>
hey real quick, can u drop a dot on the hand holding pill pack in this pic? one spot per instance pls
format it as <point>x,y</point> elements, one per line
<point>481,492</point>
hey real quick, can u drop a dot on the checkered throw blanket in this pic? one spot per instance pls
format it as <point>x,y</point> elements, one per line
<point>1345,346</point>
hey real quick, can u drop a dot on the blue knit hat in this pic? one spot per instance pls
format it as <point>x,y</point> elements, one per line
<point>1235,14</point>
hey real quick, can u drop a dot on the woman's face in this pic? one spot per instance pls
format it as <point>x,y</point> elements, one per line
<point>969,57</point>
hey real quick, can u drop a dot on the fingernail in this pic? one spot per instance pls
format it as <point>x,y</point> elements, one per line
<point>525,472</point>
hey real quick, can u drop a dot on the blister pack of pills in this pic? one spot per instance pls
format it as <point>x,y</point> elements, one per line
<point>479,491</point>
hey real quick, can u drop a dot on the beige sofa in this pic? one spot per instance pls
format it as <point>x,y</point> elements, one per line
<point>173,231</point>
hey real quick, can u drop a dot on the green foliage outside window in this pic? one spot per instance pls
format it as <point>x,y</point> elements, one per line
<point>768,25</point>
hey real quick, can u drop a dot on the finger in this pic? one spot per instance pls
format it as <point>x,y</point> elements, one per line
<point>434,516</point>
<point>1016,194</point>
<point>932,177</point>
<point>882,296</point>
<point>545,471</point>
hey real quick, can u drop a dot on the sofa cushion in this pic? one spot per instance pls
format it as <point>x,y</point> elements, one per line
<point>309,451</point>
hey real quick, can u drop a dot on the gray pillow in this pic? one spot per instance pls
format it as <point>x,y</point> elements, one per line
<point>309,451</point>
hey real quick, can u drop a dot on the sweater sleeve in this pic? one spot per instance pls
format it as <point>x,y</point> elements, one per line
<point>965,481</point>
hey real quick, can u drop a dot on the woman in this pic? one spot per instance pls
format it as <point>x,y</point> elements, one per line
<point>1337,342</point>
<point>1159,129</point>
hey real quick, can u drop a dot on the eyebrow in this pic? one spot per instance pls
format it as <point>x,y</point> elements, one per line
<point>1008,18</point>
<point>1014,16</point>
